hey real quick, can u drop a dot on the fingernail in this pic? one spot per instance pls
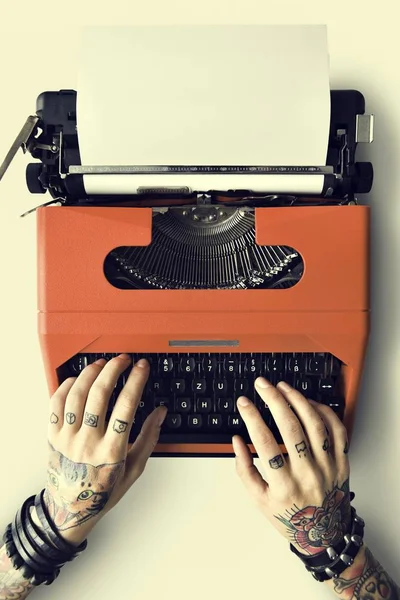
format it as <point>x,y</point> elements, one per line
<point>284,386</point>
<point>262,382</point>
<point>141,363</point>
<point>100,361</point>
<point>162,413</point>
<point>124,356</point>
<point>243,401</point>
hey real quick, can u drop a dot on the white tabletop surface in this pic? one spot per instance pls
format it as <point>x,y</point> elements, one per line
<point>187,529</point>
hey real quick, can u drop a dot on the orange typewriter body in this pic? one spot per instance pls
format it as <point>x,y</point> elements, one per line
<point>326,311</point>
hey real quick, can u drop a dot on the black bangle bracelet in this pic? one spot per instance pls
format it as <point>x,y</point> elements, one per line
<point>51,531</point>
<point>46,562</point>
<point>30,569</point>
<point>37,538</point>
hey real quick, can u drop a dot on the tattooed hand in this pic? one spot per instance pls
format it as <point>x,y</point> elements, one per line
<point>90,467</point>
<point>305,494</point>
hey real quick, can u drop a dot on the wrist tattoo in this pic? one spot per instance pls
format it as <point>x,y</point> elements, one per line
<point>367,581</point>
<point>76,492</point>
<point>12,584</point>
<point>53,418</point>
<point>276,462</point>
<point>314,528</point>
<point>91,420</point>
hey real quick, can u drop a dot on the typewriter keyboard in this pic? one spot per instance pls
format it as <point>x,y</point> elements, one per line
<point>200,390</point>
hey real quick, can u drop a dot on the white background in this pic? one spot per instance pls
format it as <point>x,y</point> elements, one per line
<point>187,529</point>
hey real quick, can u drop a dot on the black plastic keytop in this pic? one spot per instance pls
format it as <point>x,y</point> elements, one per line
<point>200,390</point>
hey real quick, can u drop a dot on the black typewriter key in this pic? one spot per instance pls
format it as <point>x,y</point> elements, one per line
<point>252,365</point>
<point>235,423</point>
<point>157,386</point>
<point>275,364</point>
<point>221,386</point>
<point>336,404</point>
<point>136,427</point>
<point>173,421</point>
<point>225,405</point>
<point>195,421</point>
<point>161,401</point>
<point>295,364</point>
<point>165,365</point>
<point>203,405</point>
<point>232,365</point>
<point>241,386</point>
<point>214,422</point>
<point>183,405</point>
<point>335,367</point>
<point>326,386</point>
<point>316,365</point>
<point>210,365</point>
<point>187,365</point>
<point>78,363</point>
<point>141,406</point>
<point>199,386</point>
<point>178,386</point>
<point>303,385</point>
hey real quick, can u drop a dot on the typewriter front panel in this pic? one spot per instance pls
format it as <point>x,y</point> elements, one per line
<point>324,315</point>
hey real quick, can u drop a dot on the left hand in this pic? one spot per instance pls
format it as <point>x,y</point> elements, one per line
<point>90,467</point>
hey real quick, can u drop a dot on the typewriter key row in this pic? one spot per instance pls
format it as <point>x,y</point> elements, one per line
<point>200,390</point>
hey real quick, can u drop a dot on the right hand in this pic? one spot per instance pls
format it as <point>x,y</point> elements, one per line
<point>305,495</point>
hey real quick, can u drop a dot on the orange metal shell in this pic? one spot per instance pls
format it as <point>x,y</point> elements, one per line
<point>327,311</point>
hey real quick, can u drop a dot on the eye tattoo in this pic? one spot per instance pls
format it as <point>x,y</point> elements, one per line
<point>53,418</point>
<point>85,495</point>
<point>91,420</point>
<point>53,480</point>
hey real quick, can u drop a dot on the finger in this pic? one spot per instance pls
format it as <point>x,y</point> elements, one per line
<point>100,392</point>
<point>76,399</point>
<point>247,471</point>
<point>312,423</point>
<point>144,444</point>
<point>263,440</point>
<point>288,424</point>
<point>122,416</point>
<point>338,435</point>
<point>57,404</point>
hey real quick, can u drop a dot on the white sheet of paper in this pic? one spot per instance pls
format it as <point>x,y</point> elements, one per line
<point>205,95</point>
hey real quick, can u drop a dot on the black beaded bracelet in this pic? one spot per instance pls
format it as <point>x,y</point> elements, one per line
<point>335,559</point>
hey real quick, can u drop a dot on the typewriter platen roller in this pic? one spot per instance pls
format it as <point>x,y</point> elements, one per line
<point>213,286</point>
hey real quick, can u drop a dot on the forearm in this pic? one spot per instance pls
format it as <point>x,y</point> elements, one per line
<point>365,579</point>
<point>13,586</point>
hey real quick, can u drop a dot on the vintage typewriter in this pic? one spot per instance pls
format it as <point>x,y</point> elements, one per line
<point>214,286</point>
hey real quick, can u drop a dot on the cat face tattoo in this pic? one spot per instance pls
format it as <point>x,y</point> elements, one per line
<point>76,492</point>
